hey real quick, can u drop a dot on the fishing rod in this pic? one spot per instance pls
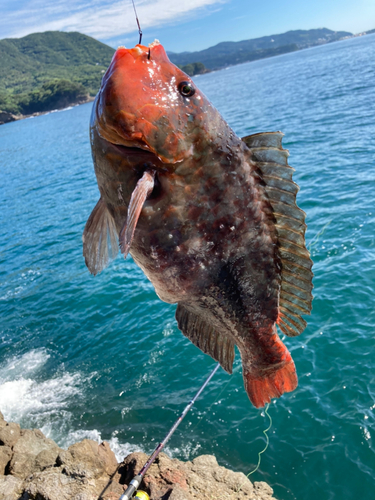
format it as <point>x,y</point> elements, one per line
<point>136,481</point>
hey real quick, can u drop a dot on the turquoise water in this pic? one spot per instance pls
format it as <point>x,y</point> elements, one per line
<point>101,357</point>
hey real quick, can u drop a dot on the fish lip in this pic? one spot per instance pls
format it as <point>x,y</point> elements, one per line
<point>136,150</point>
<point>133,150</point>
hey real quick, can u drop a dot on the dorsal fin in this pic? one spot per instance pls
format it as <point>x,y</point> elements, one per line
<point>296,276</point>
<point>206,337</point>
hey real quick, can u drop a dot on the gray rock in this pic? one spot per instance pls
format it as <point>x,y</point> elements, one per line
<point>54,485</point>
<point>6,117</point>
<point>202,479</point>
<point>2,421</point>
<point>37,469</point>
<point>47,458</point>
<point>109,458</point>
<point>177,493</point>
<point>9,434</point>
<point>11,488</point>
<point>263,490</point>
<point>84,473</point>
<point>22,466</point>
<point>88,459</point>
<point>29,446</point>
<point>33,442</point>
<point>5,456</point>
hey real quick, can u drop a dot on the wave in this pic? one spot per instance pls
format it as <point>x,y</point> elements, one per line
<point>62,109</point>
<point>32,402</point>
<point>27,400</point>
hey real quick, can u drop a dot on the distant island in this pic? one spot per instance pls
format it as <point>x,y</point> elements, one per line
<point>52,70</point>
<point>230,53</point>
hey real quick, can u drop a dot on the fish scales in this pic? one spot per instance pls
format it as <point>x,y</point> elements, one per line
<point>200,215</point>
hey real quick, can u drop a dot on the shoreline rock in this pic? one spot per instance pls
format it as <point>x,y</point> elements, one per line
<point>6,117</point>
<point>33,467</point>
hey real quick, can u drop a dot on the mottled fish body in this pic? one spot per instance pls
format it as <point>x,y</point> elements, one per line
<point>210,218</point>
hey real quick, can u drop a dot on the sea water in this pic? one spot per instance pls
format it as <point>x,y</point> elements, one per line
<point>101,357</point>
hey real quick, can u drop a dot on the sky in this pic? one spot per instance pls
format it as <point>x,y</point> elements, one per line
<point>183,25</point>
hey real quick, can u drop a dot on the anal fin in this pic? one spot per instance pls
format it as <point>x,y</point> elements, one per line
<point>100,243</point>
<point>206,337</point>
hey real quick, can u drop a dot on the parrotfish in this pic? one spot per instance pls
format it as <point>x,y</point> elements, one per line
<point>209,217</point>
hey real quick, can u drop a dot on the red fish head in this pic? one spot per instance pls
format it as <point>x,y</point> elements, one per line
<point>147,102</point>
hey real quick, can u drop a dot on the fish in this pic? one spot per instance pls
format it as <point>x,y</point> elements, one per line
<point>209,217</point>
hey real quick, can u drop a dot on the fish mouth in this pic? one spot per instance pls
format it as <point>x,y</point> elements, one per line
<point>134,150</point>
<point>140,152</point>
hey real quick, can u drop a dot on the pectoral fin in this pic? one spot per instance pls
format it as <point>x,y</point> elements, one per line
<point>142,190</point>
<point>99,238</point>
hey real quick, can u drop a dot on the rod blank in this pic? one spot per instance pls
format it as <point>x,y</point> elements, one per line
<point>133,485</point>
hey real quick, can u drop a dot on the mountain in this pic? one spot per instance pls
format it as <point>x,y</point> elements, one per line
<point>43,71</point>
<point>230,53</point>
<point>54,69</point>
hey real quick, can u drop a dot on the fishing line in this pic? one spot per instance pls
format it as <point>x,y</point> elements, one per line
<point>139,26</point>
<point>265,448</point>
<point>267,440</point>
<point>265,431</point>
<point>315,240</point>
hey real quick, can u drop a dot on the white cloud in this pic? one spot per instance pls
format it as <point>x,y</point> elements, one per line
<point>101,19</point>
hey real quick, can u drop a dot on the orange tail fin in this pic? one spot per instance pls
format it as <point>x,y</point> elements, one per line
<point>267,382</point>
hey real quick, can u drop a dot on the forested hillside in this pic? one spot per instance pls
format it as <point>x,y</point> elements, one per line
<point>54,69</point>
<point>43,71</point>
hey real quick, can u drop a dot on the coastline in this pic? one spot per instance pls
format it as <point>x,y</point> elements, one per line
<point>6,117</point>
<point>35,467</point>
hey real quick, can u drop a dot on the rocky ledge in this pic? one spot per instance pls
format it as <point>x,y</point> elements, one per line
<point>6,117</point>
<point>34,467</point>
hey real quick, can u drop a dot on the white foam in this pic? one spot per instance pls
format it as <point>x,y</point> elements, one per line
<point>187,452</point>
<point>25,364</point>
<point>122,450</point>
<point>60,110</point>
<point>30,402</point>
<point>44,404</point>
<point>75,436</point>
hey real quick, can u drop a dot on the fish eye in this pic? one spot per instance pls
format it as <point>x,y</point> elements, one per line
<point>186,89</point>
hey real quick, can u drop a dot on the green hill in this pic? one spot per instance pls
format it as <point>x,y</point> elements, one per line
<point>42,71</point>
<point>50,70</point>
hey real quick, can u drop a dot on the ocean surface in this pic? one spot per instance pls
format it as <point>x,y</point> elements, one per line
<point>101,357</point>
